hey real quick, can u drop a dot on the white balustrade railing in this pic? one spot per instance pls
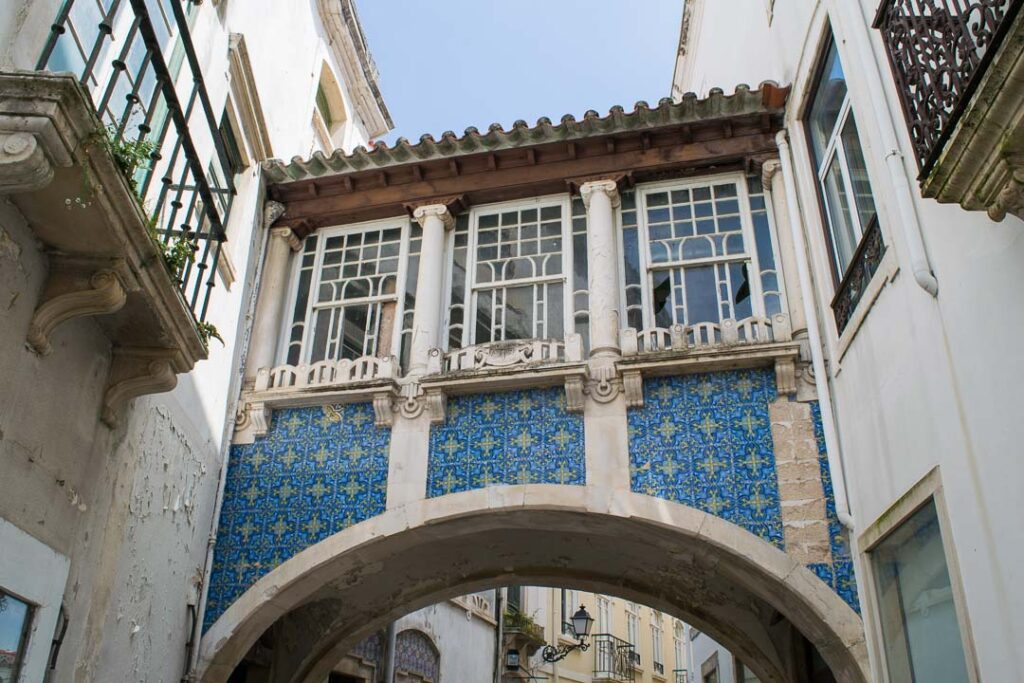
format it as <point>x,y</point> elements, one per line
<point>507,354</point>
<point>327,373</point>
<point>752,330</point>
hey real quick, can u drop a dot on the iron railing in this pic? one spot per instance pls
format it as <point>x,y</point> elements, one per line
<point>613,659</point>
<point>681,676</point>
<point>137,62</point>
<point>862,267</point>
<point>938,51</point>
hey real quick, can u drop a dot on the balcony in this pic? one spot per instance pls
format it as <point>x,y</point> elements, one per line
<point>101,154</point>
<point>959,72</point>
<point>614,659</point>
<point>680,676</point>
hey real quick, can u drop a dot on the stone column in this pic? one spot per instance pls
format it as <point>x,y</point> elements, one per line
<point>435,219</point>
<point>601,197</point>
<point>270,306</point>
<point>774,184</point>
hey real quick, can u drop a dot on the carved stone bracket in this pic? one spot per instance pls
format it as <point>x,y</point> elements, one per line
<point>785,376</point>
<point>574,401</point>
<point>633,386</point>
<point>78,287</point>
<point>604,384</point>
<point>136,372</point>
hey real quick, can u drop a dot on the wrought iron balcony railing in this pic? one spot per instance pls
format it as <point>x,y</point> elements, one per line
<point>613,659</point>
<point>938,51</point>
<point>137,61</point>
<point>680,676</point>
<point>862,267</point>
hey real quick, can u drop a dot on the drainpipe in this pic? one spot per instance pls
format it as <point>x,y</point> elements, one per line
<point>835,461</point>
<point>905,200</point>
<point>499,618</point>
<point>389,657</point>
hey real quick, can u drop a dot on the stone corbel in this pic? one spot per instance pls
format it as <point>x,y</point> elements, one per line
<point>32,143</point>
<point>574,394</point>
<point>1010,198</point>
<point>251,420</point>
<point>136,372</point>
<point>384,414</point>
<point>633,387</point>
<point>78,287</point>
<point>785,376</point>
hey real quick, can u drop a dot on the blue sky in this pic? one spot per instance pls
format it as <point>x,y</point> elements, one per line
<point>449,64</point>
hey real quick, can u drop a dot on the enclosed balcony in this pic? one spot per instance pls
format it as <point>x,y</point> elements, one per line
<point>959,74</point>
<point>586,255</point>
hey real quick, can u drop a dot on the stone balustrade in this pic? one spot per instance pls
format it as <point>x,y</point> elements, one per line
<point>751,330</point>
<point>504,355</point>
<point>327,373</point>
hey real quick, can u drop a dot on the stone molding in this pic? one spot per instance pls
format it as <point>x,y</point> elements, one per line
<point>271,212</point>
<point>78,287</point>
<point>247,98</point>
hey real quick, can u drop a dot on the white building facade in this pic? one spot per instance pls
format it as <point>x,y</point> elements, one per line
<point>111,482</point>
<point>922,361</point>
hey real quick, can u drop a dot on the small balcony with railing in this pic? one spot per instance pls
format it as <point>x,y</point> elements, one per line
<point>113,153</point>
<point>614,659</point>
<point>957,69</point>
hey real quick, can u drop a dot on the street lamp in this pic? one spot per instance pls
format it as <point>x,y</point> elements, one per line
<point>580,625</point>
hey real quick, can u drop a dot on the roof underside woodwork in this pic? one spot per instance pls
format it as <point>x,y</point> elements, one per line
<point>676,139</point>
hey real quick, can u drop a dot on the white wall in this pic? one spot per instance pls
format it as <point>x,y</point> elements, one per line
<point>133,508</point>
<point>465,641</point>
<point>924,382</point>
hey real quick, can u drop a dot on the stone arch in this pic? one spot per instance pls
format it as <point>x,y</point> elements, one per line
<point>744,592</point>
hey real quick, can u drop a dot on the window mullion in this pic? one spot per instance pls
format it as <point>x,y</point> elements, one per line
<point>852,198</point>
<point>644,247</point>
<point>750,247</point>
<point>314,294</point>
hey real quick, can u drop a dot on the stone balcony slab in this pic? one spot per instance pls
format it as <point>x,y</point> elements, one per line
<point>102,261</point>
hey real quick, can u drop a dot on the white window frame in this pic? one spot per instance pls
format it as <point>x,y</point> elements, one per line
<point>604,615</point>
<point>836,150</point>
<point>293,287</point>
<point>469,324</point>
<point>747,230</point>
<point>633,624</point>
<point>929,488</point>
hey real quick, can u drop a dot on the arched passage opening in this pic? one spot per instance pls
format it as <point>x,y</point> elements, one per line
<point>748,595</point>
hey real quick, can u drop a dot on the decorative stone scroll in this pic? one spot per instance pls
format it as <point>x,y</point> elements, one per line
<point>78,287</point>
<point>136,372</point>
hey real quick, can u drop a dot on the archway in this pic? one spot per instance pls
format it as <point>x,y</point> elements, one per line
<point>748,595</point>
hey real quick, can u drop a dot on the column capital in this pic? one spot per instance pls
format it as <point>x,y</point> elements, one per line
<point>422,213</point>
<point>608,186</point>
<point>768,171</point>
<point>288,235</point>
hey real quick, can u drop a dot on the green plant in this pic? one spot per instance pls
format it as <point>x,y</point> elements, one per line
<point>522,622</point>
<point>178,252</point>
<point>208,331</point>
<point>129,155</point>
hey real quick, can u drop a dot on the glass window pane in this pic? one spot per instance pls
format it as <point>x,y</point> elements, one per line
<point>14,618</point>
<point>919,623</point>
<point>844,235</point>
<point>864,200</point>
<point>701,299</point>
<point>519,312</point>
<point>828,102</point>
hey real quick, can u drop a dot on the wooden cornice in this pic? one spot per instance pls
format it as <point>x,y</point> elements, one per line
<point>525,171</point>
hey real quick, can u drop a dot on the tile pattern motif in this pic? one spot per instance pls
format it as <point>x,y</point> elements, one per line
<point>318,471</point>
<point>705,441</point>
<point>839,574</point>
<point>415,654</point>
<point>516,437</point>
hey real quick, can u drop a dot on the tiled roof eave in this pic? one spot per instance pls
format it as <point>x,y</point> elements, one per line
<point>769,98</point>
